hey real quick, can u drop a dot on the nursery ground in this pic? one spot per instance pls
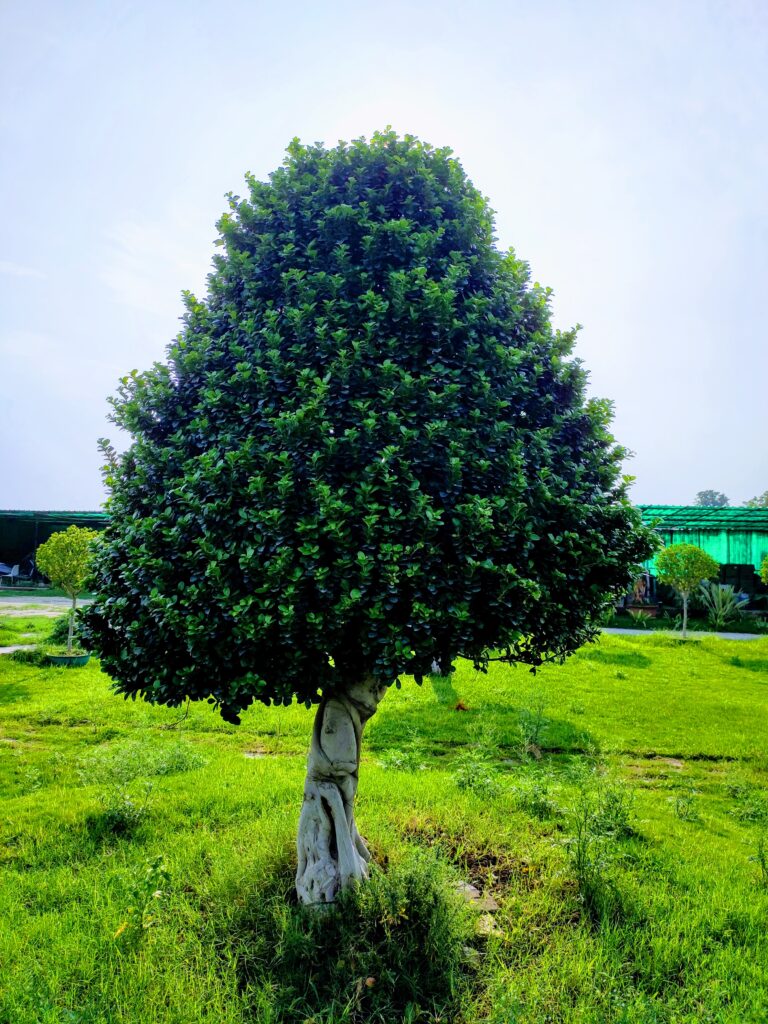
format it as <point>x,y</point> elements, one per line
<point>615,807</point>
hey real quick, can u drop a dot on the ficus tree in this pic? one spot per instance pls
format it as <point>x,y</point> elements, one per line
<point>367,451</point>
<point>64,559</point>
<point>685,567</point>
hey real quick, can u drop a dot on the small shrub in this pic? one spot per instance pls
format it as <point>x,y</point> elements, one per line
<point>476,772</point>
<point>31,780</point>
<point>123,810</point>
<point>33,656</point>
<point>536,799</point>
<point>148,897</point>
<point>751,802</point>
<point>640,617</point>
<point>612,812</point>
<point>721,604</point>
<point>402,760</point>
<point>599,817</point>
<point>684,805</point>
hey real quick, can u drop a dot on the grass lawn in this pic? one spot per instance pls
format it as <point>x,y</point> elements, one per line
<point>615,807</point>
<point>27,629</point>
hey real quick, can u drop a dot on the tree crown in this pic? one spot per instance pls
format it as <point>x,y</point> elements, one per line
<point>712,499</point>
<point>685,567</point>
<point>64,558</point>
<point>368,450</point>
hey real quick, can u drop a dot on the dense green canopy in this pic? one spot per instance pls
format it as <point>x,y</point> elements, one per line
<point>368,450</point>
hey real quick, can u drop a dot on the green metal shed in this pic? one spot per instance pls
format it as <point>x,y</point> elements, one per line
<point>21,532</point>
<point>733,536</point>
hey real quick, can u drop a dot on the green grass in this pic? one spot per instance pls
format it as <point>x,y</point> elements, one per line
<point>614,806</point>
<point>19,593</point>
<point>27,629</point>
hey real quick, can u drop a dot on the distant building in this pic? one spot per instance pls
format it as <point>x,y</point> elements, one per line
<point>22,532</point>
<point>736,537</point>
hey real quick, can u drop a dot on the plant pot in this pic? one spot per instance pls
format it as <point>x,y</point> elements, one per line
<point>69,660</point>
<point>652,610</point>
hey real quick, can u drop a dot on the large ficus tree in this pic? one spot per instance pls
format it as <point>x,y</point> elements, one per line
<point>368,451</point>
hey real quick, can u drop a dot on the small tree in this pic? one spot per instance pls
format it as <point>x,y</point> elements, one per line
<point>711,499</point>
<point>368,452</point>
<point>764,570</point>
<point>685,567</point>
<point>64,558</point>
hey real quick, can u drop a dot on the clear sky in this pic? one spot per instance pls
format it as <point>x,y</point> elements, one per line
<point>624,146</point>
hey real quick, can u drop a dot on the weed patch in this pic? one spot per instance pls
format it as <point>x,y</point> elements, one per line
<point>394,949</point>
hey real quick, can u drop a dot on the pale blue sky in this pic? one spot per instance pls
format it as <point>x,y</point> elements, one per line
<point>623,145</point>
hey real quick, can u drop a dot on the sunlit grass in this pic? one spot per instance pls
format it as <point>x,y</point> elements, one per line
<point>662,920</point>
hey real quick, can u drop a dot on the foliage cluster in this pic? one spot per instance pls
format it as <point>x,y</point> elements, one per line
<point>64,558</point>
<point>721,603</point>
<point>368,451</point>
<point>712,499</point>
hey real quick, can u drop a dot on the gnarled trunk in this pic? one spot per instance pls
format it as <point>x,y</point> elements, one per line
<point>331,852</point>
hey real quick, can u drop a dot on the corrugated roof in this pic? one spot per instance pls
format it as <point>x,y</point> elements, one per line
<point>15,513</point>
<point>699,517</point>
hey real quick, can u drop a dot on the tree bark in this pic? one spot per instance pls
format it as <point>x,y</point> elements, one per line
<point>685,613</point>
<point>71,629</point>
<point>331,852</point>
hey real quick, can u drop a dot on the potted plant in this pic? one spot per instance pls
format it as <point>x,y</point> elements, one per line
<point>685,567</point>
<point>640,602</point>
<point>64,558</point>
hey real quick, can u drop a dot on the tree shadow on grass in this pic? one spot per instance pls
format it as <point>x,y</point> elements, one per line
<point>10,693</point>
<point>443,689</point>
<point>626,659</point>
<point>363,958</point>
<point>444,729</point>
<point>759,665</point>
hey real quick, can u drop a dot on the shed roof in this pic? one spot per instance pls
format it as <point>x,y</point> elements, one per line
<point>700,517</point>
<point>48,516</point>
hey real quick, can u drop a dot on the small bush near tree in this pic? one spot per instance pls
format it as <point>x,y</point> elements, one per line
<point>685,567</point>
<point>64,559</point>
<point>721,603</point>
<point>764,570</point>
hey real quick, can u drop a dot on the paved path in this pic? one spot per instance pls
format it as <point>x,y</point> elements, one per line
<point>45,604</point>
<point>17,647</point>
<point>694,633</point>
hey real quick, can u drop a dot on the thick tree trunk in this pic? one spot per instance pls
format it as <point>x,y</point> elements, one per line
<point>331,853</point>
